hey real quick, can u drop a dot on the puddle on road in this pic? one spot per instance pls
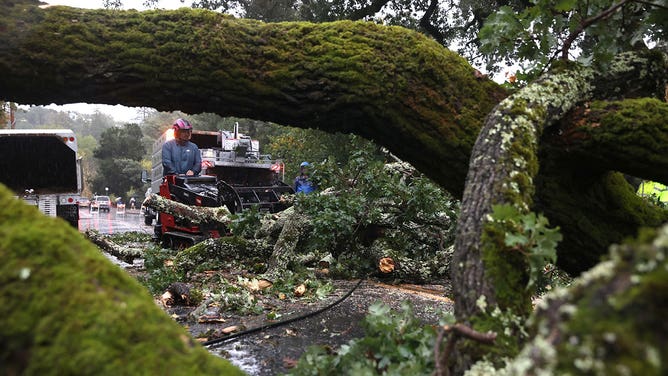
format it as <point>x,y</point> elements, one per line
<point>112,222</point>
<point>235,354</point>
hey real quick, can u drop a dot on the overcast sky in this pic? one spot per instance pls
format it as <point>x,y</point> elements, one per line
<point>120,113</point>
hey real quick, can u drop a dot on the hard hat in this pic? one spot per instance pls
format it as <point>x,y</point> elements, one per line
<point>304,164</point>
<point>182,124</point>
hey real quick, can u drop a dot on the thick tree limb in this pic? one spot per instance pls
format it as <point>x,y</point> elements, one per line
<point>68,310</point>
<point>614,313</point>
<point>593,207</point>
<point>125,254</point>
<point>387,84</point>
<point>214,254</point>
<point>630,136</point>
<point>504,164</point>
<point>192,214</point>
<point>294,226</point>
<point>426,24</point>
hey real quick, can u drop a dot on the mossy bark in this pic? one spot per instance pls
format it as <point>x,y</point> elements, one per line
<point>592,206</point>
<point>504,167</point>
<point>284,253</point>
<point>218,216</point>
<point>216,254</point>
<point>624,135</point>
<point>388,84</point>
<point>67,310</point>
<point>610,321</point>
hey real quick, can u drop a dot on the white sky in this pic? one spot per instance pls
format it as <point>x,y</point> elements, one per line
<point>118,112</point>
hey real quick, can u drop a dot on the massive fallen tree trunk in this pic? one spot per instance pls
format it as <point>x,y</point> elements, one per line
<point>387,84</point>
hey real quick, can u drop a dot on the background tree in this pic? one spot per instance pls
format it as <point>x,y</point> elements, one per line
<point>297,145</point>
<point>119,155</point>
<point>589,31</point>
<point>87,145</point>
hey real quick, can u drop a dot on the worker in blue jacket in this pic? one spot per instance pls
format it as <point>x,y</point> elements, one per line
<point>180,156</point>
<point>303,182</point>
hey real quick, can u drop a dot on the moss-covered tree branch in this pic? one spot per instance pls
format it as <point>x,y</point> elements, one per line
<point>609,321</point>
<point>388,84</point>
<point>504,165</point>
<point>68,310</point>
<point>630,136</point>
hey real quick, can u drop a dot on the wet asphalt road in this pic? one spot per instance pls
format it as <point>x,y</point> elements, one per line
<point>113,222</point>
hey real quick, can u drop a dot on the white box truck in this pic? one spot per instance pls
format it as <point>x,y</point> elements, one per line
<point>43,168</point>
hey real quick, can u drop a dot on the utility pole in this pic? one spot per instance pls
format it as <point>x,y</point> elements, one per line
<point>12,115</point>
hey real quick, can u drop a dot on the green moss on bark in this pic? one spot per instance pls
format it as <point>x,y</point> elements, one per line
<point>610,321</point>
<point>593,209</point>
<point>67,310</point>
<point>384,83</point>
<point>214,254</point>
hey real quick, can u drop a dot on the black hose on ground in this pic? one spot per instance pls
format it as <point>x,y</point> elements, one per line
<point>287,321</point>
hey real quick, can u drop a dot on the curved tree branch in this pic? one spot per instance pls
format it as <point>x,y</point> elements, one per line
<point>504,164</point>
<point>586,23</point>
<point>426,24</point>
<point>368,11</point>
<point>387,84</point>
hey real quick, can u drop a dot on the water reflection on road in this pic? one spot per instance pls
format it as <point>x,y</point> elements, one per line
<point>113,222</point>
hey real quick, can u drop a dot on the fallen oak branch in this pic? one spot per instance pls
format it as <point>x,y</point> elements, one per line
<point>125,254</point>
<point>192,214</point>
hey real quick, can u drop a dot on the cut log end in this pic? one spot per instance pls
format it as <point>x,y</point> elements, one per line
<point>386,265</point>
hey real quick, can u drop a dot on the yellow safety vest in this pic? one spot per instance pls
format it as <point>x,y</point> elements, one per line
<point>649,188</point>
<point>663,197</point>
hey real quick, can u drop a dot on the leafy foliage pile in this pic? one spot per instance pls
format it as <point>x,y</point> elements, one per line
<point>395,345</point>
<point>160,274</point>
<point>367,208</point>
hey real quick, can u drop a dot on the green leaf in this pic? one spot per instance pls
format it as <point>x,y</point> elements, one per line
<point>564,5</point>
<point>515,239</point>
<point>504,212</point>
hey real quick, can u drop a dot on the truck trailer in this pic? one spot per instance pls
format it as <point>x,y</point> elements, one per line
<point>42,167</point>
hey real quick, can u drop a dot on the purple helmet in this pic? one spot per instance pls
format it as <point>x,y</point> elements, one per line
<point>182,124</point>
